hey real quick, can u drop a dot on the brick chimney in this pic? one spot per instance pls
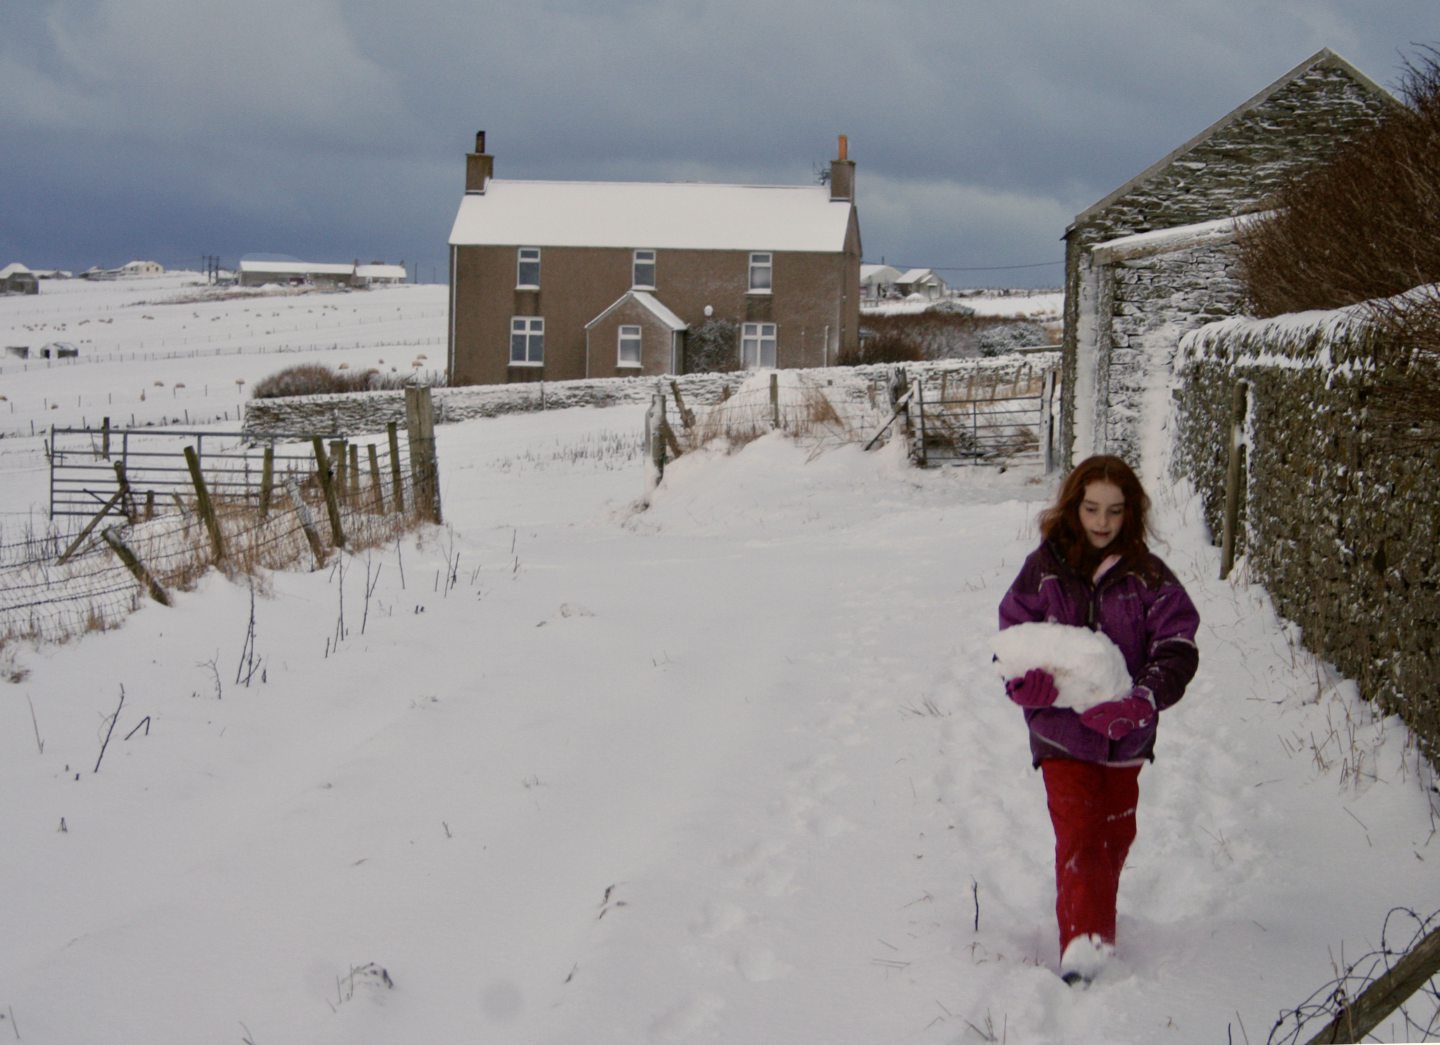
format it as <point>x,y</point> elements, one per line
<point>479,166</point>
<point>842,174</point>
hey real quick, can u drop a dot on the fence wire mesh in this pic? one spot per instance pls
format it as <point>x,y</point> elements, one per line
<point>67,581</point>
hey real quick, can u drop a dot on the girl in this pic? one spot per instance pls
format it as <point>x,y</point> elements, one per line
<point>1093,570</point>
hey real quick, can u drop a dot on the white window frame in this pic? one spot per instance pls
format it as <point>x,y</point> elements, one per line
<point>531,332</point>
<point>629,333</point>
<point>523,257</point>
<point>762,267</point>
<point>758,343</point>
<point>637,260</point>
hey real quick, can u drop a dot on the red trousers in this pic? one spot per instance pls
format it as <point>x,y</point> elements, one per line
<point>1093,809</point>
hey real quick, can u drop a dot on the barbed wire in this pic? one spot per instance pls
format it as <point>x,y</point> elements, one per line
<point>1421,1013</point>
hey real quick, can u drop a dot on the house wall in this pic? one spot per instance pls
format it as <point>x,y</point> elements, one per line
<point>656,340</point>
<point>813,296</point>
<point>1229,173</point>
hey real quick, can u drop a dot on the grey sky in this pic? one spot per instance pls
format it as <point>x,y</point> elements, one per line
<point>172,129</point>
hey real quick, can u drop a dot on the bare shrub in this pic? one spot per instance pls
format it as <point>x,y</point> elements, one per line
<point>1407,398</point>
<point>936,333</point>
<point>885,346</point>
<point>313,379</point>
<point>1363,225</point>
<point>713,347</point>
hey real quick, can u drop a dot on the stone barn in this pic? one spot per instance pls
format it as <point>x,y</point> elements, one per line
<point>1156,257</point>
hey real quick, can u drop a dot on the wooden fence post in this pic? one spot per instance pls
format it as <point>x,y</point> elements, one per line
<point>774,400</point>
<point>397,484</point>
<point>307,523</point>
<point>267,480</point>
<point>420,430</point>
<point>1234,476</point>
<point>1385,995</point>
<point>122,481</point>
<point>105,439</point>
<point>202,501</point>
<point>135,566</point>
<point>327,483</point>
<point>354,473</point>
<point>337,469</point>
<point>687,417</point>
<point>375,479</point>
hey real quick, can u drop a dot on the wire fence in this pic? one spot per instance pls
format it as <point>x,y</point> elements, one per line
<point>72,579</point>
<point>1341,1009</point>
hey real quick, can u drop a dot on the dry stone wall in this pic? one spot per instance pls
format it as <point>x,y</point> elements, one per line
<point>1340,519</point>
<point>368,412</point>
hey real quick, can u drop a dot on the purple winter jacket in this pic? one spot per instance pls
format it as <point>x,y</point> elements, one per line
<point>1143,609</point>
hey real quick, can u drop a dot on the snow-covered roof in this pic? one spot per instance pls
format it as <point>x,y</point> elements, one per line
<point>1324,58</point>
<point>917,276</point>
<point>13,269</point>
<point>380,271</point>
<point>882,273</point>
<point>298,268</point>
<point>1163,241</point>
<point>661,215</point>
<point>648,301</point>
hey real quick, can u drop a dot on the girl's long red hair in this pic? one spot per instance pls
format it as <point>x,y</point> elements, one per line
<point>1060,523</point>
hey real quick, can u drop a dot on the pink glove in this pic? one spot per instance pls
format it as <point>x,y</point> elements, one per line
<point>1035,690</point>
<point>1117,718</point>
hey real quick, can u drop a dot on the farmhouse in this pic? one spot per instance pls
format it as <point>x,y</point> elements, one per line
<point>15,278</point>
<point>877,282</point>
<point>923,282</point>
<point>1155,258</point>
<point>560,280</point>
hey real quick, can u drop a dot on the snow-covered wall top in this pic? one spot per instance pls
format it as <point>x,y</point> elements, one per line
<point>1340,512</point>
<point>359,413</point>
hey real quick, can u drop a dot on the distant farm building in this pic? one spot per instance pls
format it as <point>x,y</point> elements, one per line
<point>923,282</point>
<point>17,279</point>
<point>129,270</point>
<point>259,273</point>
<point>877,282</point>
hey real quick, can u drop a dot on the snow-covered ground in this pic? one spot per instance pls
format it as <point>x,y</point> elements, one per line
<point>1021,304</point>
<point>733,767</point>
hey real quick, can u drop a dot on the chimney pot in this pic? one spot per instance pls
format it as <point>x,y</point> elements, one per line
<point>844,147</point>
<point>479,141</point>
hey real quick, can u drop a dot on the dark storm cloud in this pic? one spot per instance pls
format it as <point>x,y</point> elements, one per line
<point>169,129</point>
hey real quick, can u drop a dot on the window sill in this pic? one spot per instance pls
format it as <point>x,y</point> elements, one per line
<point>533,366</point>
<point>527,286</point>
<point>759,293</point>
<point>629,366</point>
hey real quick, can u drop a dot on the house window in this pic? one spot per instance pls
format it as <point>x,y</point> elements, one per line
<point>757,345</point>
<point>760,265</point>
<point>629,346</point>
<point>527,268</point>
<point>644,270</point>
<point>527,341</point>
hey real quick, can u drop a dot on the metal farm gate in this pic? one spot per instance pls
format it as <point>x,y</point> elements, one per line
<point>952,424</point>
<point>141,473</point>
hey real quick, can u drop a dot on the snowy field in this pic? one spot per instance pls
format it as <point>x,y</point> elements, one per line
<point>732,767</point>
